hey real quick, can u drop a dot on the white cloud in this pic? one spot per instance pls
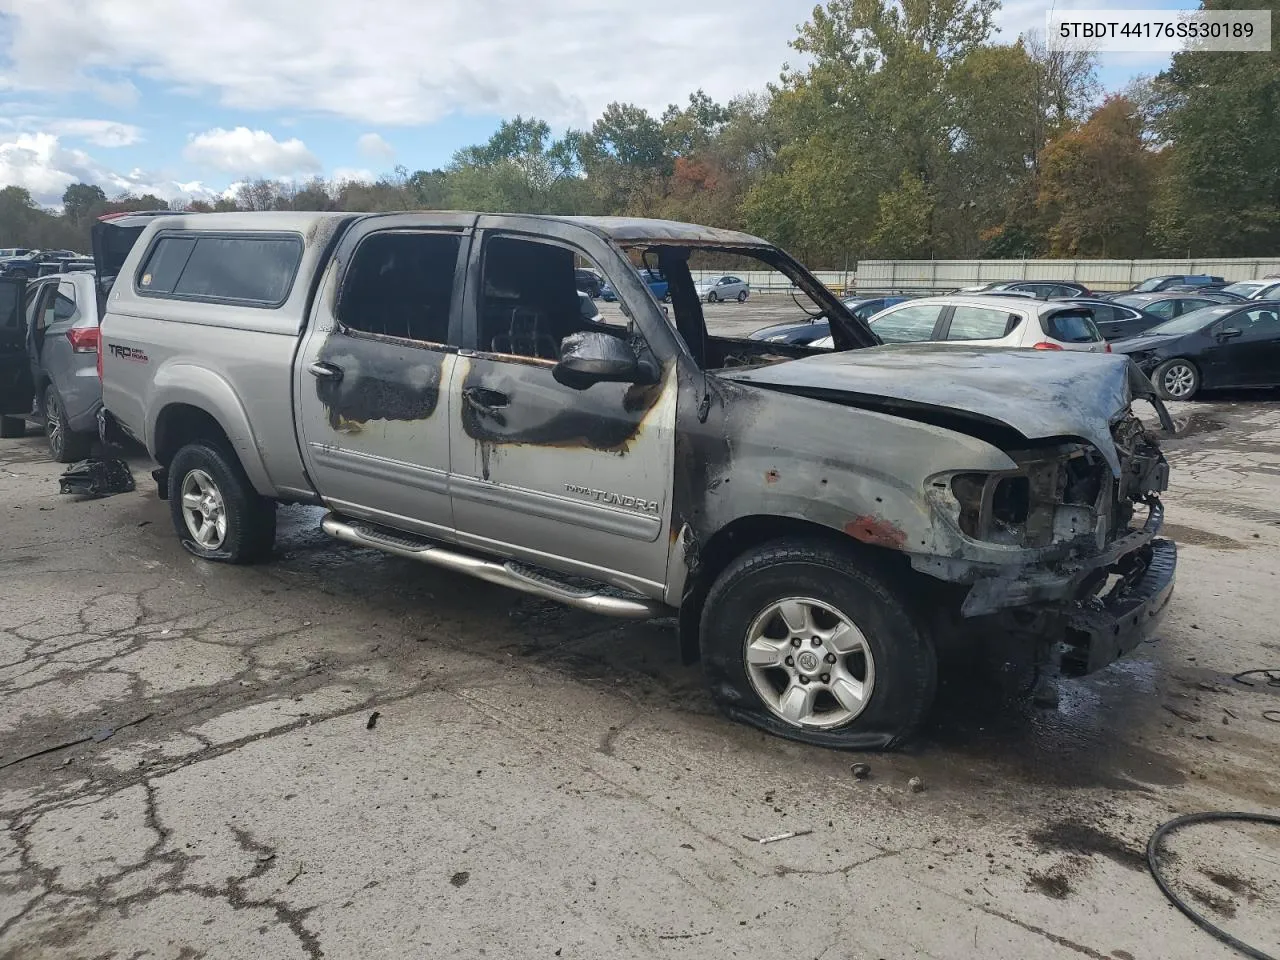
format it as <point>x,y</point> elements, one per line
<point>372,145</point>
<point>249,152</point>
<point>412,62</point>
<point>103,133</point>
<point>40,163</point>
<point>353,175</point>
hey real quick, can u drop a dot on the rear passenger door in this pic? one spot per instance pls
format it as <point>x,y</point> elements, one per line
<point>373,377</point>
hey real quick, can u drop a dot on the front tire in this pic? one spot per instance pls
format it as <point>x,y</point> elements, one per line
<point>65,444</point>
<point>712,297</point>
<point>1176,379</point>
<point>215,510</point>
<point>805,640</point>
<point>11,428</point>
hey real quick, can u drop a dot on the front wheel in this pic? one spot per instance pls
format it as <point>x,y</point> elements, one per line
<point>1176,379</point>
<point>712,297</point>
<point>805,640</point>
<point>215,510</point>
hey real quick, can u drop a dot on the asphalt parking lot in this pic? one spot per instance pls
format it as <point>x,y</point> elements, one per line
<point>540,782</point>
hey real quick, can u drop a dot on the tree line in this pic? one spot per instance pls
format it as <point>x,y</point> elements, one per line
<point>909,132</point>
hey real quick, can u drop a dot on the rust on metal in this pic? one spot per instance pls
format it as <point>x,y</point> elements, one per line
<point>876,531</point>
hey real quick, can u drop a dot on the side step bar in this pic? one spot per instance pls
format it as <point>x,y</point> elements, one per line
<point>517,576</point>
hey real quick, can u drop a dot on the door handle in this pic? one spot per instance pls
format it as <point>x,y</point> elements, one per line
<point>325,371</point>
<point>485,398</point>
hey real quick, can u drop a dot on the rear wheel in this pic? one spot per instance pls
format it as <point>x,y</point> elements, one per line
<point>66,445</point>
<point>742,296</point>
<point>804,640</point>
<point>13,427</point>
<point>1176,379</point>
<point>215,510</point>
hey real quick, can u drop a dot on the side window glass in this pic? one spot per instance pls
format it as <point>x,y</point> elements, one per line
<point>978,323</point>
<point>62,307</point>
<point>528,300</point>
<point>34,307</point>
<point>1162,309</point>
<point>908,325</point>
<point>250,269</point>
<point>1260,324</point>
<point>164,266</point>
<point>401,285</point>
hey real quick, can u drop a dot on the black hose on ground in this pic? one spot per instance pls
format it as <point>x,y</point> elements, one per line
<point>1271,673</point>
<point>1153,864</point>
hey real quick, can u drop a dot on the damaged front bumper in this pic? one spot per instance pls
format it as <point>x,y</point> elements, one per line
<point>1094,609</point>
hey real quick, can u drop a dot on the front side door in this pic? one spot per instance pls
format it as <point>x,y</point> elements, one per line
<point>578,480</point>
<point>16,384</point>
<point>373,375</point>
<point>1251,359</point>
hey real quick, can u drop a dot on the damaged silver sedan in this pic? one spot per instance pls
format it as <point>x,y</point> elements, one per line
<point>821,522</point>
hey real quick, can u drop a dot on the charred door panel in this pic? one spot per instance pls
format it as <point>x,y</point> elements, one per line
<point>576,479</point>
<point>375,427</point>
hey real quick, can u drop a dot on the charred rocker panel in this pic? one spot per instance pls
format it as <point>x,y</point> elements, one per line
<point>541,412</point>
<point>383,378</point>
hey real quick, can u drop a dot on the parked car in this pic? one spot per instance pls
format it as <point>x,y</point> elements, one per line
<point>1165,281</point>
<point>51,373</point>
<point>587,307</point>
<point>815,328</point>
<point>1115,321</point>
<point>726,287</point>
<point>1042,289</point>
<point>799,517</point>
<point>1166,306</point>
<point>1218,293</point>
<point>985,286</point>
<point>588,281</point>
<point>1225,345</point>
<point>8,253</point>
<point>988,321</point>
<point>656,283</point>
<point>1264,289</point>
<point>36,263</point>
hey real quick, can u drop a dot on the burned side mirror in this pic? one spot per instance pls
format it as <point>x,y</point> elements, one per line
<point>593,357</point>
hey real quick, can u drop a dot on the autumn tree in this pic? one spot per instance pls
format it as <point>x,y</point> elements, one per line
<point>1095,185</point>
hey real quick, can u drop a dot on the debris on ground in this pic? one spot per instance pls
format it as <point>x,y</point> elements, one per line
<point>860,771</point>
<point>460,878</point>
<point>98,736</point>
<point>916,785</point>
<point>296,875</point>
<point>1181,714</point>
<point>97,478</point>
<point>1272,675</point>
<point>781,836</point>
<point>373,720</point>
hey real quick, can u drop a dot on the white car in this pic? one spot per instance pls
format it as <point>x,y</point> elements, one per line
<point>1267,288</point>
<point>988,321</point>
<point>724,288</point>
<point>587,307</point>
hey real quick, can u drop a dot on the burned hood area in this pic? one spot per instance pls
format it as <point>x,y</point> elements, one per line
<point>1007,397</point>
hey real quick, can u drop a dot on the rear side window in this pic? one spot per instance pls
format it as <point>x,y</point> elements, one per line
<point>252,270</point>
<point>1071,327</point>
<point>980,323</point>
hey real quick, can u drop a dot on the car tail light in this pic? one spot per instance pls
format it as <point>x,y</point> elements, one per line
<point>83,339</point>
<point>1046,345</point>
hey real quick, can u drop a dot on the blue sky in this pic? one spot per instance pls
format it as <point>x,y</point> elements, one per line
<point>184,98</point>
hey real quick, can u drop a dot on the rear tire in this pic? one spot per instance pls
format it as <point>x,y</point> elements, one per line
<point>215,510</point>
<point>742,296</point>
<point>875,675</point>
<point>65,444</point>
<point>13,427</point>
<point>1176,379</point>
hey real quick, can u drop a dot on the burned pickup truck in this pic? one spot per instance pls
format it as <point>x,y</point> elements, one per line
<point>820,523</point>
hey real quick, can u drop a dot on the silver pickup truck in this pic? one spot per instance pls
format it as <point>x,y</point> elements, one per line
<point>820,523</point>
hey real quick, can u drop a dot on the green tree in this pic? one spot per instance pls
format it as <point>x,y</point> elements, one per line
<point>83,201</point>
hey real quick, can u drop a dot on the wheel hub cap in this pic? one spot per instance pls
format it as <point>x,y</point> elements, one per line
<point>809,663</point>
<point>204,510</point>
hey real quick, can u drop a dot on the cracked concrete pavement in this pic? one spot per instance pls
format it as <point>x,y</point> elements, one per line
<point>541,782</point>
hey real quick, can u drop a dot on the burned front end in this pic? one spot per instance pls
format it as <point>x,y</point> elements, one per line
<point>1064,546</point>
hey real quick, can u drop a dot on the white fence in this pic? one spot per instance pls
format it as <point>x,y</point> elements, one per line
<point>928,276</point>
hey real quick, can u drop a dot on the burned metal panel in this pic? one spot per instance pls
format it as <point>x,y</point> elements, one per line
<point>1038,394</point>
<point>382,378</point>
